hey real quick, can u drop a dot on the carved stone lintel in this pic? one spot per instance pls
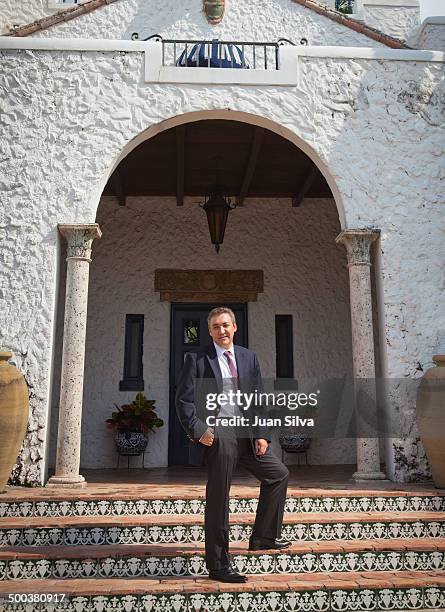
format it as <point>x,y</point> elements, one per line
<point>358,245</point>
<point>80,239</point>
<point>223,297</point>
<point>209,285</point>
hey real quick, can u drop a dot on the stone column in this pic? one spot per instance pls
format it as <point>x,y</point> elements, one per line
<point>79,238</point>
<point>358,247</point>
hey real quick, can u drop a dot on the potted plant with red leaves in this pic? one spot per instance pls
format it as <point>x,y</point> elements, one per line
<point>132,423</point>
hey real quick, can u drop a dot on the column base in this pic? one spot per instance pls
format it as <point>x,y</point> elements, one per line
<point>67,482</point>
<point>362,476</point>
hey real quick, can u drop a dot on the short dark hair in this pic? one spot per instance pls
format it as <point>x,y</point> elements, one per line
<point>221,310</point>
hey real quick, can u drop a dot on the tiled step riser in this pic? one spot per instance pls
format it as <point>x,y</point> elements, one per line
<point>142,507</point>
<point>194,565</point>
<point>177,534</point>
<point>336,600</point>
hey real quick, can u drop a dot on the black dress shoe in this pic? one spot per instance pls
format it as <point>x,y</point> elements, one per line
<point>265,544</point>
<point>227,574</point>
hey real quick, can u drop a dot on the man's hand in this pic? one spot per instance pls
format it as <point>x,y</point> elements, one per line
<point>207,437</point>
<point>261,447</point>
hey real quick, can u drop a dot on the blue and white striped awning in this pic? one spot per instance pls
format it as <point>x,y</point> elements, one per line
<point>213,55</point>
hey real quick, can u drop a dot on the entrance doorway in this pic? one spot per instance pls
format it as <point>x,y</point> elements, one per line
<point>189,334</point>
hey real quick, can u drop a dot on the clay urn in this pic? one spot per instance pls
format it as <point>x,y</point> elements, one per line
<point>214,10</point>
<point>430,409</point>
<point>14,408</point>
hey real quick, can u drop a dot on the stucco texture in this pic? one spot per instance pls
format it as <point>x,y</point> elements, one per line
<point>431,35</point>
<point>375,127</point>
<point>171,19</point>
<point>396,21</point>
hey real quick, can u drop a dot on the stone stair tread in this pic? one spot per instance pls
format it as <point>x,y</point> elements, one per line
<point>238,548</point>
<point>188,584</point>
<point>190,519</point>
<point>168,491</point>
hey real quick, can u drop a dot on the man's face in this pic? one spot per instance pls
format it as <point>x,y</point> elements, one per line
<point>222,330</point>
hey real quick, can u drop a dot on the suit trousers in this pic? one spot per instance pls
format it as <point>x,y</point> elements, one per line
<point>226,451</point>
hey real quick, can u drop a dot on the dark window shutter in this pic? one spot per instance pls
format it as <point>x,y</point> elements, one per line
<point>133,379</point>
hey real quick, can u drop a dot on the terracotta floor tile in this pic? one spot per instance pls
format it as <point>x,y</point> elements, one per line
<point>335,580</point>
<point>165,587</point>
<point>186,484</point>
<point>304,585</point>
<point>277,578</point>
<point>208,587</point>
<point>227,587</point>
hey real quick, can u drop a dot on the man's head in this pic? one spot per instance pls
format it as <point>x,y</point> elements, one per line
<point>222,326</point>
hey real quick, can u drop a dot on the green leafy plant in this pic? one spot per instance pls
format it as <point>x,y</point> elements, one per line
<point>139,416</point>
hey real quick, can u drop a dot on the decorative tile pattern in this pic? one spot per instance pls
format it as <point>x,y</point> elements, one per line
<point>434,598</point>
<point>177,534</point>
<point>337,600</point>
<point>194,565</point>
<point>209,602</point>
<point>141,507</point>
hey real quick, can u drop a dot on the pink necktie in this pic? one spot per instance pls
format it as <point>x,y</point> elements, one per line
<point>231,365</point>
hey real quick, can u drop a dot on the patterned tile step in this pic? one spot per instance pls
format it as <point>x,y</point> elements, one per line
<point>330,502</point>
<point>325,592</point>
<point>178,529</point>
<point>188,559</point>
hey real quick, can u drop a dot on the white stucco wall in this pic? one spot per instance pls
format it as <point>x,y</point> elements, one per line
<point>374,126</point>
<point>430,35</point>
<point>397,18</point>
<point>172,19</point>
<point>398,22</point>
<point>305,276</point>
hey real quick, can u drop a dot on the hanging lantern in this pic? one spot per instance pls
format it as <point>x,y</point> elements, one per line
<point>214,10</point>
<point>217,208</point>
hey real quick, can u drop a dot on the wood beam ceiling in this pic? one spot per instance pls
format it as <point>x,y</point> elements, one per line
<point>306,186</point>
<point>257,141</point>
<point>116,182</point>
<point>180,164</point>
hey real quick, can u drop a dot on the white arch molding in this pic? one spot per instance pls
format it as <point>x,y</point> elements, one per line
<point>72,475</point>
<point>228,115</point>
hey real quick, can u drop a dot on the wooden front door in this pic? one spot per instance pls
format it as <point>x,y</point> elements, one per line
<point>189,334</point>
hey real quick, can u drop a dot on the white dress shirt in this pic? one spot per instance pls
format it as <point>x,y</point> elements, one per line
<point>222,360</point>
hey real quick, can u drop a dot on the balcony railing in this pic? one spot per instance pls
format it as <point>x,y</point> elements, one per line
<point>220,54</point>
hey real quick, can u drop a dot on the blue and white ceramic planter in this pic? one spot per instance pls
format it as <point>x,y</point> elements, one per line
<point>130,443</point>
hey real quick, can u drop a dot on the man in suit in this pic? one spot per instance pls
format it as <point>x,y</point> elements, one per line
<point>226,366</point>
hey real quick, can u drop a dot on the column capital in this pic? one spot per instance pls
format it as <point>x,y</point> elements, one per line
<point>80,238</point>
<point>358,244</point>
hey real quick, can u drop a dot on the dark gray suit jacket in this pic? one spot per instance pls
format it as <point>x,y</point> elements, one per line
<point>204,366</point>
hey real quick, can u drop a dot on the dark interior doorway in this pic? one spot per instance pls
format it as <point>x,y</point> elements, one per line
<point>189,334</point>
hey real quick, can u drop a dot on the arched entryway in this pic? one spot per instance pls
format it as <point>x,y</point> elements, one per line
<point>282,232</point>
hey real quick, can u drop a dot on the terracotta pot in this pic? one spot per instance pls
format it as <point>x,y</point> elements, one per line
<point>430,410</point>
<point>14,410</point>
<point>214,10</point>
